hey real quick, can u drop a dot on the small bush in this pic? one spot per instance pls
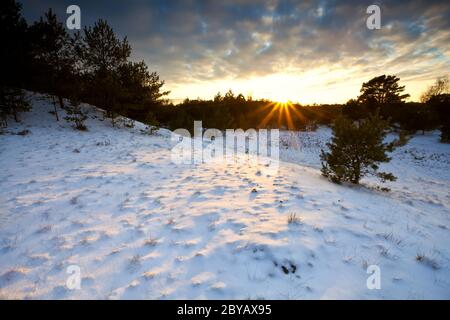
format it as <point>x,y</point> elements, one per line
<point>76,115</point>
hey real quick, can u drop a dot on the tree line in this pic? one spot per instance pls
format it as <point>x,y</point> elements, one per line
<point>94,66</point>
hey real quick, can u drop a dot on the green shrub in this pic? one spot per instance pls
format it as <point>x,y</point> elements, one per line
<point>356,150</point>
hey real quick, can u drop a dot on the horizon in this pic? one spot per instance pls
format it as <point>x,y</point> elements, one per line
<point>315,52</point>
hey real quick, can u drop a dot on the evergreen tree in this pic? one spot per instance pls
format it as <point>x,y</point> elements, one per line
<point>218,98</point>
<point>14,48</point>
<point>229,96</point>
<point>14,60</point>
<point>382,90</point>
<point>140,89</point>
<point>441,105</point>
<point>76,114</point>
<point>356,150</point>
<point>353,110</point>
<point>420,118</point>
<point>103,55</point>
<point>54,56</point>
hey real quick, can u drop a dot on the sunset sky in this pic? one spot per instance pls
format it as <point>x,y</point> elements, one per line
<point>305,51</point>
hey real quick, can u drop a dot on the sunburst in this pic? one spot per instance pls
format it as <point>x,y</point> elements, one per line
<point>283,111</point>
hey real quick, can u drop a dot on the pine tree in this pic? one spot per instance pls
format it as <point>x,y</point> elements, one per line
<point>141,89</point>
<point>14,48</point>
<point>218,98</point>
<point>382,90</point>
<point>441,106</point>
<point>356,150</point>
<point>76,115</point>
<point>103,55</point>
<point>55,57</point>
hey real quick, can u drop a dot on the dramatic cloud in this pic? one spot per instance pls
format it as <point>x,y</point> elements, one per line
<point>307,51</point>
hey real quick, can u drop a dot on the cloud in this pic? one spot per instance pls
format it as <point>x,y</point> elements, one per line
<point>202,46</point>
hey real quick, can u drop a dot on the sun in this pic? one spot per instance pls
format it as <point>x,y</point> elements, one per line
<point>284,113</point>
<point>282,104</point>
<point>282,100</point>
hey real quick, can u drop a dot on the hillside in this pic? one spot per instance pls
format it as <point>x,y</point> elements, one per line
<point>110,201</point>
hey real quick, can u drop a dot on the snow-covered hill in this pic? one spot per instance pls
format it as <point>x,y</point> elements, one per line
<point>110,201</point>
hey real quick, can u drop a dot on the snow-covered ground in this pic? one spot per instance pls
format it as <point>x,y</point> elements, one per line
<point>111,201</point>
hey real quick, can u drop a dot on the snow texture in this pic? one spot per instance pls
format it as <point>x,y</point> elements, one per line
<point>111,201</point>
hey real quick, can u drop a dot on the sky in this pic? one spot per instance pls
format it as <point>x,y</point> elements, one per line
<point>302,51</point>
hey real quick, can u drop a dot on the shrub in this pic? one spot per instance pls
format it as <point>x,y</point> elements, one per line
<point>76,115</point>
<point>356,149</point>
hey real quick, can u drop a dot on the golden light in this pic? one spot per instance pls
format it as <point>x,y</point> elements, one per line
<point>282,101</point>
<point>282,111</point>
<point>319,85</point>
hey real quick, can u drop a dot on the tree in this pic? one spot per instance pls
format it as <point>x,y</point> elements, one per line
<point>14,48</point>
<point>141,89</point>
<point>54,54</point>
<point>218,98</point>
<point>229,96</point>
<point>441,86</point>
<point>76,115</point>
<point>420,118</point>
<point>356,150</point>
<point>103,50</point>
<point>437,97</point>
<point>14,60</point>
<point>240,98</point>
<point>353,110</point>
<point>103,55</point>
<point>441,105</point>
<point>382,90</point>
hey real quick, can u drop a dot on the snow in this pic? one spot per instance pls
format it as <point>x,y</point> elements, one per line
<point>111,201</point>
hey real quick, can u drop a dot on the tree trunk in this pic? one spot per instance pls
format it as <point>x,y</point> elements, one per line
<point>61,102</point>
<point>56,111</point>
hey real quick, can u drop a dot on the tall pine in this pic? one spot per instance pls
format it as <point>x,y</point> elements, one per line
<point>103,55</point>
<point>54,56</point>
